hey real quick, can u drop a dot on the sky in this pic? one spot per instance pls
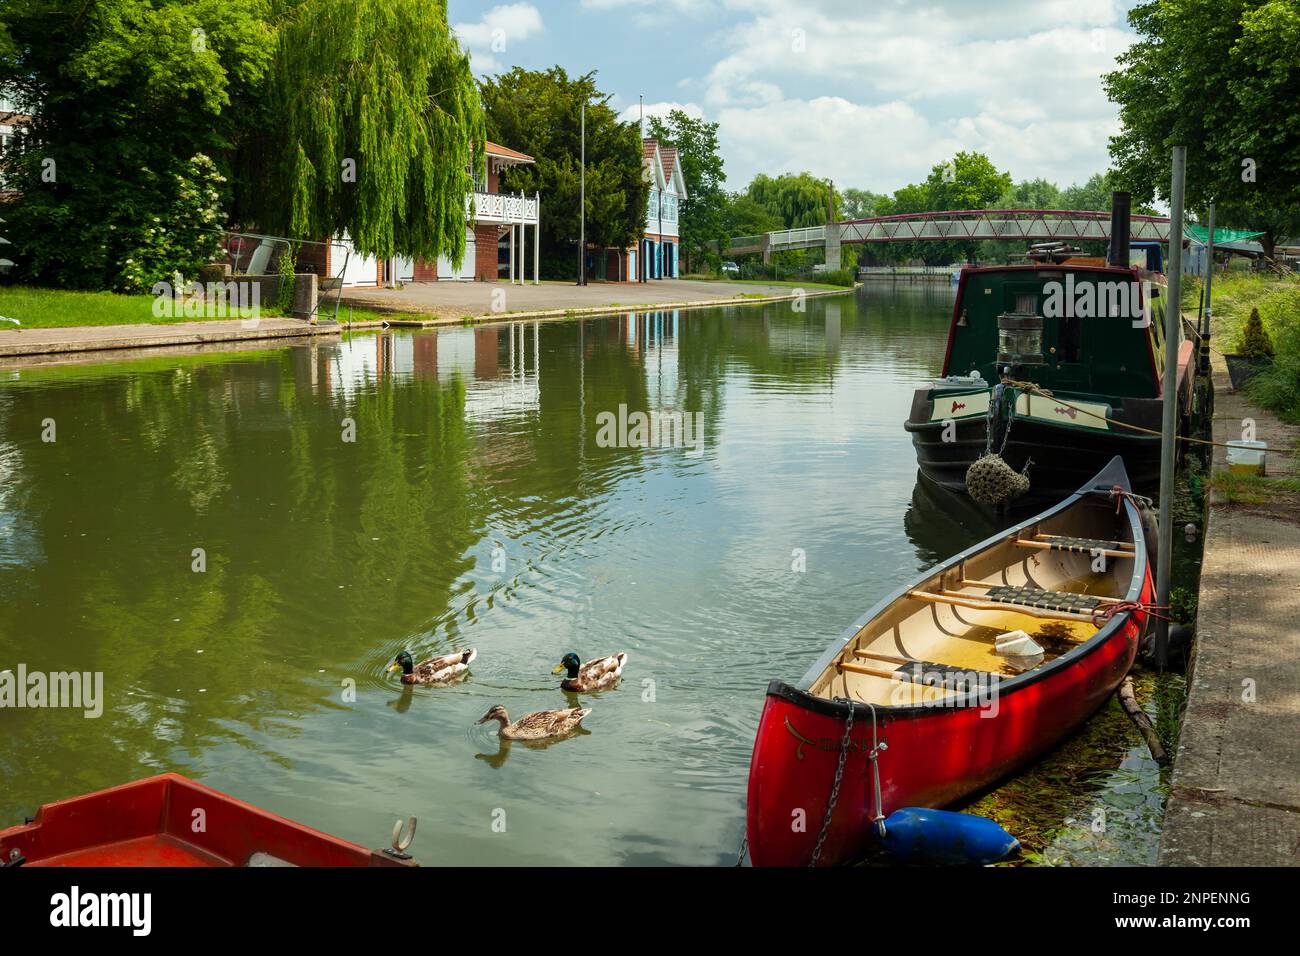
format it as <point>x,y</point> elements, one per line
<point>869,93</point>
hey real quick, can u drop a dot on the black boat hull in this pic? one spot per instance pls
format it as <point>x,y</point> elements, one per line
<point>1061,458</point>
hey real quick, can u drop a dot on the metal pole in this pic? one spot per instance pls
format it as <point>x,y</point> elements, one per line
<point>1173,326</point>
<point>1209,297</point>
<point>582,204</point>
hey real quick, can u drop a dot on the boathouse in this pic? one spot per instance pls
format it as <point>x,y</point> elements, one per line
<point>498,243</point>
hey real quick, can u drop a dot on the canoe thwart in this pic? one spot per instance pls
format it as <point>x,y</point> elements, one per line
<point>974,603</point>
<point>1088,546</point>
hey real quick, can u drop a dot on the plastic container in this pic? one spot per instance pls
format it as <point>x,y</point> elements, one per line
<point>1246,457</point>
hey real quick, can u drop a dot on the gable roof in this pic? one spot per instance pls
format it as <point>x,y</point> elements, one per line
<point>652,156</point>
<point>673,170</point>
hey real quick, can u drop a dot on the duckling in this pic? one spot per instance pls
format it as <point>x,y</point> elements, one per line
<point>544,723</point>
<point>436,670</point>
<point>594,675</point>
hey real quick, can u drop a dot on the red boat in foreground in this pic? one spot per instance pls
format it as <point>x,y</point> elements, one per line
<point>924,700</point>
<point>169,820</point>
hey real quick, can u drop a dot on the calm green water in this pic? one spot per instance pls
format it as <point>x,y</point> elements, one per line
<point>476,508</point>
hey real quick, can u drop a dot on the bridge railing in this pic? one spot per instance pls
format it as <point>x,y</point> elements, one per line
<point>796,238</point>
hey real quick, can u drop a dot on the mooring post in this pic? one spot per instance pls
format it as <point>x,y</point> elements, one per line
<point>1209,297</point>
<point>1169,433</point>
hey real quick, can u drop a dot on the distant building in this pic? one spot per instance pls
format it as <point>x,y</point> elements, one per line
<point>497,240</point>
<point>11,122</point>
<point>658,254</point>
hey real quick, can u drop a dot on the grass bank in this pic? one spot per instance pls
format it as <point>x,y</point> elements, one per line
<point>1278,300</point>
<point>39,308</point>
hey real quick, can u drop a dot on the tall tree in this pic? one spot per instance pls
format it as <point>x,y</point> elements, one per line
<point>861,204</point>
<point>374,125</point>
<point>1220,77</point>
<point>701,216</point>
<point>797,199</point>
<point>539,113</point>
<point>121,178</point>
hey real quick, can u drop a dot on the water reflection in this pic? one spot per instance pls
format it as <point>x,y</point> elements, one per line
<point>474,507</point>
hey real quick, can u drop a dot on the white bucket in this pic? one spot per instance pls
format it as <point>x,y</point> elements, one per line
<point>1246,457</point>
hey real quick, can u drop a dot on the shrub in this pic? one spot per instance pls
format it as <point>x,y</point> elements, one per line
<point>1254,341</point>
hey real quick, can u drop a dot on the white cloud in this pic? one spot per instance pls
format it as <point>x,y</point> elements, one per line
<point>874,147</point>
<point>1020,81</point>
<point>632,113</point>
<point>495,32</point>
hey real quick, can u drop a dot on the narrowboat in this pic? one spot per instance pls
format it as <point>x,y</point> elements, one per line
<point>1056,365</point>
<point>955,680</point>
<point>172,821</point>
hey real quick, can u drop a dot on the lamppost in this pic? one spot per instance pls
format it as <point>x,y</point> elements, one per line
<point>582,201</point>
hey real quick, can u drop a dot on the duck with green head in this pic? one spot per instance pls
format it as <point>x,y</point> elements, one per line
<point>436,670</point>
<point>594,675</point>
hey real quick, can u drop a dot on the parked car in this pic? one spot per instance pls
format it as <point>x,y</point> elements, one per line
<point>730,269</point>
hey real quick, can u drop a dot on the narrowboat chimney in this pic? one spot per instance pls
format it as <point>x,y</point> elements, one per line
<point>1121,205</point>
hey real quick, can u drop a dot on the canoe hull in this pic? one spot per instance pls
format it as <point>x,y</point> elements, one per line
<point>935,756</point>
<point>934,753</point>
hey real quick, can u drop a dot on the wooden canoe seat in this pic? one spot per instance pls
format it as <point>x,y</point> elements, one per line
<point>1088,546</point>
<point>1067,601</point>
<point>980,602</point>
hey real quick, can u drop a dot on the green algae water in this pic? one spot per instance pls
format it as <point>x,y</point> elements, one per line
<point>240,542</point>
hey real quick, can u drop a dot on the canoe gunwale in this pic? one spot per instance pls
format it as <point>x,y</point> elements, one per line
<point>1103,483</point>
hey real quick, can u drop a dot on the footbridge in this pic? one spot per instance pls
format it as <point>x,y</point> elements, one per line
<point>1029,225</point>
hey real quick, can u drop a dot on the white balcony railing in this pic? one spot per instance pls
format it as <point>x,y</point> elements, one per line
<point>502,207</point>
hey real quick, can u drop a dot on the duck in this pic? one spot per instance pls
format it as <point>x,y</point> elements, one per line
<point>543,723</point>
<point>594,675</point>
<point>436,670</point>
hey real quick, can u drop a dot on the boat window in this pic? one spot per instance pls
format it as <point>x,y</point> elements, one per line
<point>1027,304</point>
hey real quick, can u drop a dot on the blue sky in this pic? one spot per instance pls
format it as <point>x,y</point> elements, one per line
<point>871,93</point>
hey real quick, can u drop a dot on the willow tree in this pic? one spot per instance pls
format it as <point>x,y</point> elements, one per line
<point>372,124</point>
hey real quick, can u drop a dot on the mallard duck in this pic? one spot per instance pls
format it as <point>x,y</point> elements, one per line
<point>544,723</point>
<point>436,670</point>
<point>593,675</point>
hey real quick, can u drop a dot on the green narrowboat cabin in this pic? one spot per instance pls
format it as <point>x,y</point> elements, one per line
<point>1046,364</point>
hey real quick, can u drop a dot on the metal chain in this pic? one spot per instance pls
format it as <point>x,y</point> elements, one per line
<point>835,786</point>
<point>744,846</point>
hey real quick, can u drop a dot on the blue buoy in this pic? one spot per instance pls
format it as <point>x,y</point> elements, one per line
<point>923,836</point>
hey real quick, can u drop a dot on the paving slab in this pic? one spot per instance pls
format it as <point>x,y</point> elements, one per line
<point>1235,791</point>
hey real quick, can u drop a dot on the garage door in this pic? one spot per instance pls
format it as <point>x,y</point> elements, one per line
<point>360,270</point>
<point>466,270</point>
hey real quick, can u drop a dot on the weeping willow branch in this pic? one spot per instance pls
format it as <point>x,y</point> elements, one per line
<point>373,123</point>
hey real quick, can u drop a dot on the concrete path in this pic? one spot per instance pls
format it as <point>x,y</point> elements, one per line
<point>95,338</point>
<point>1235,792</point>
<point>459,299</point>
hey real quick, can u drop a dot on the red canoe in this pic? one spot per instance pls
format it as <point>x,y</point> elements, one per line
<point>169,820</point>
<point>944,712</point>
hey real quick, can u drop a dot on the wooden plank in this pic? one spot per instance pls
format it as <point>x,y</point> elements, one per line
<point>891,658</point>
<point>863,669</point>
